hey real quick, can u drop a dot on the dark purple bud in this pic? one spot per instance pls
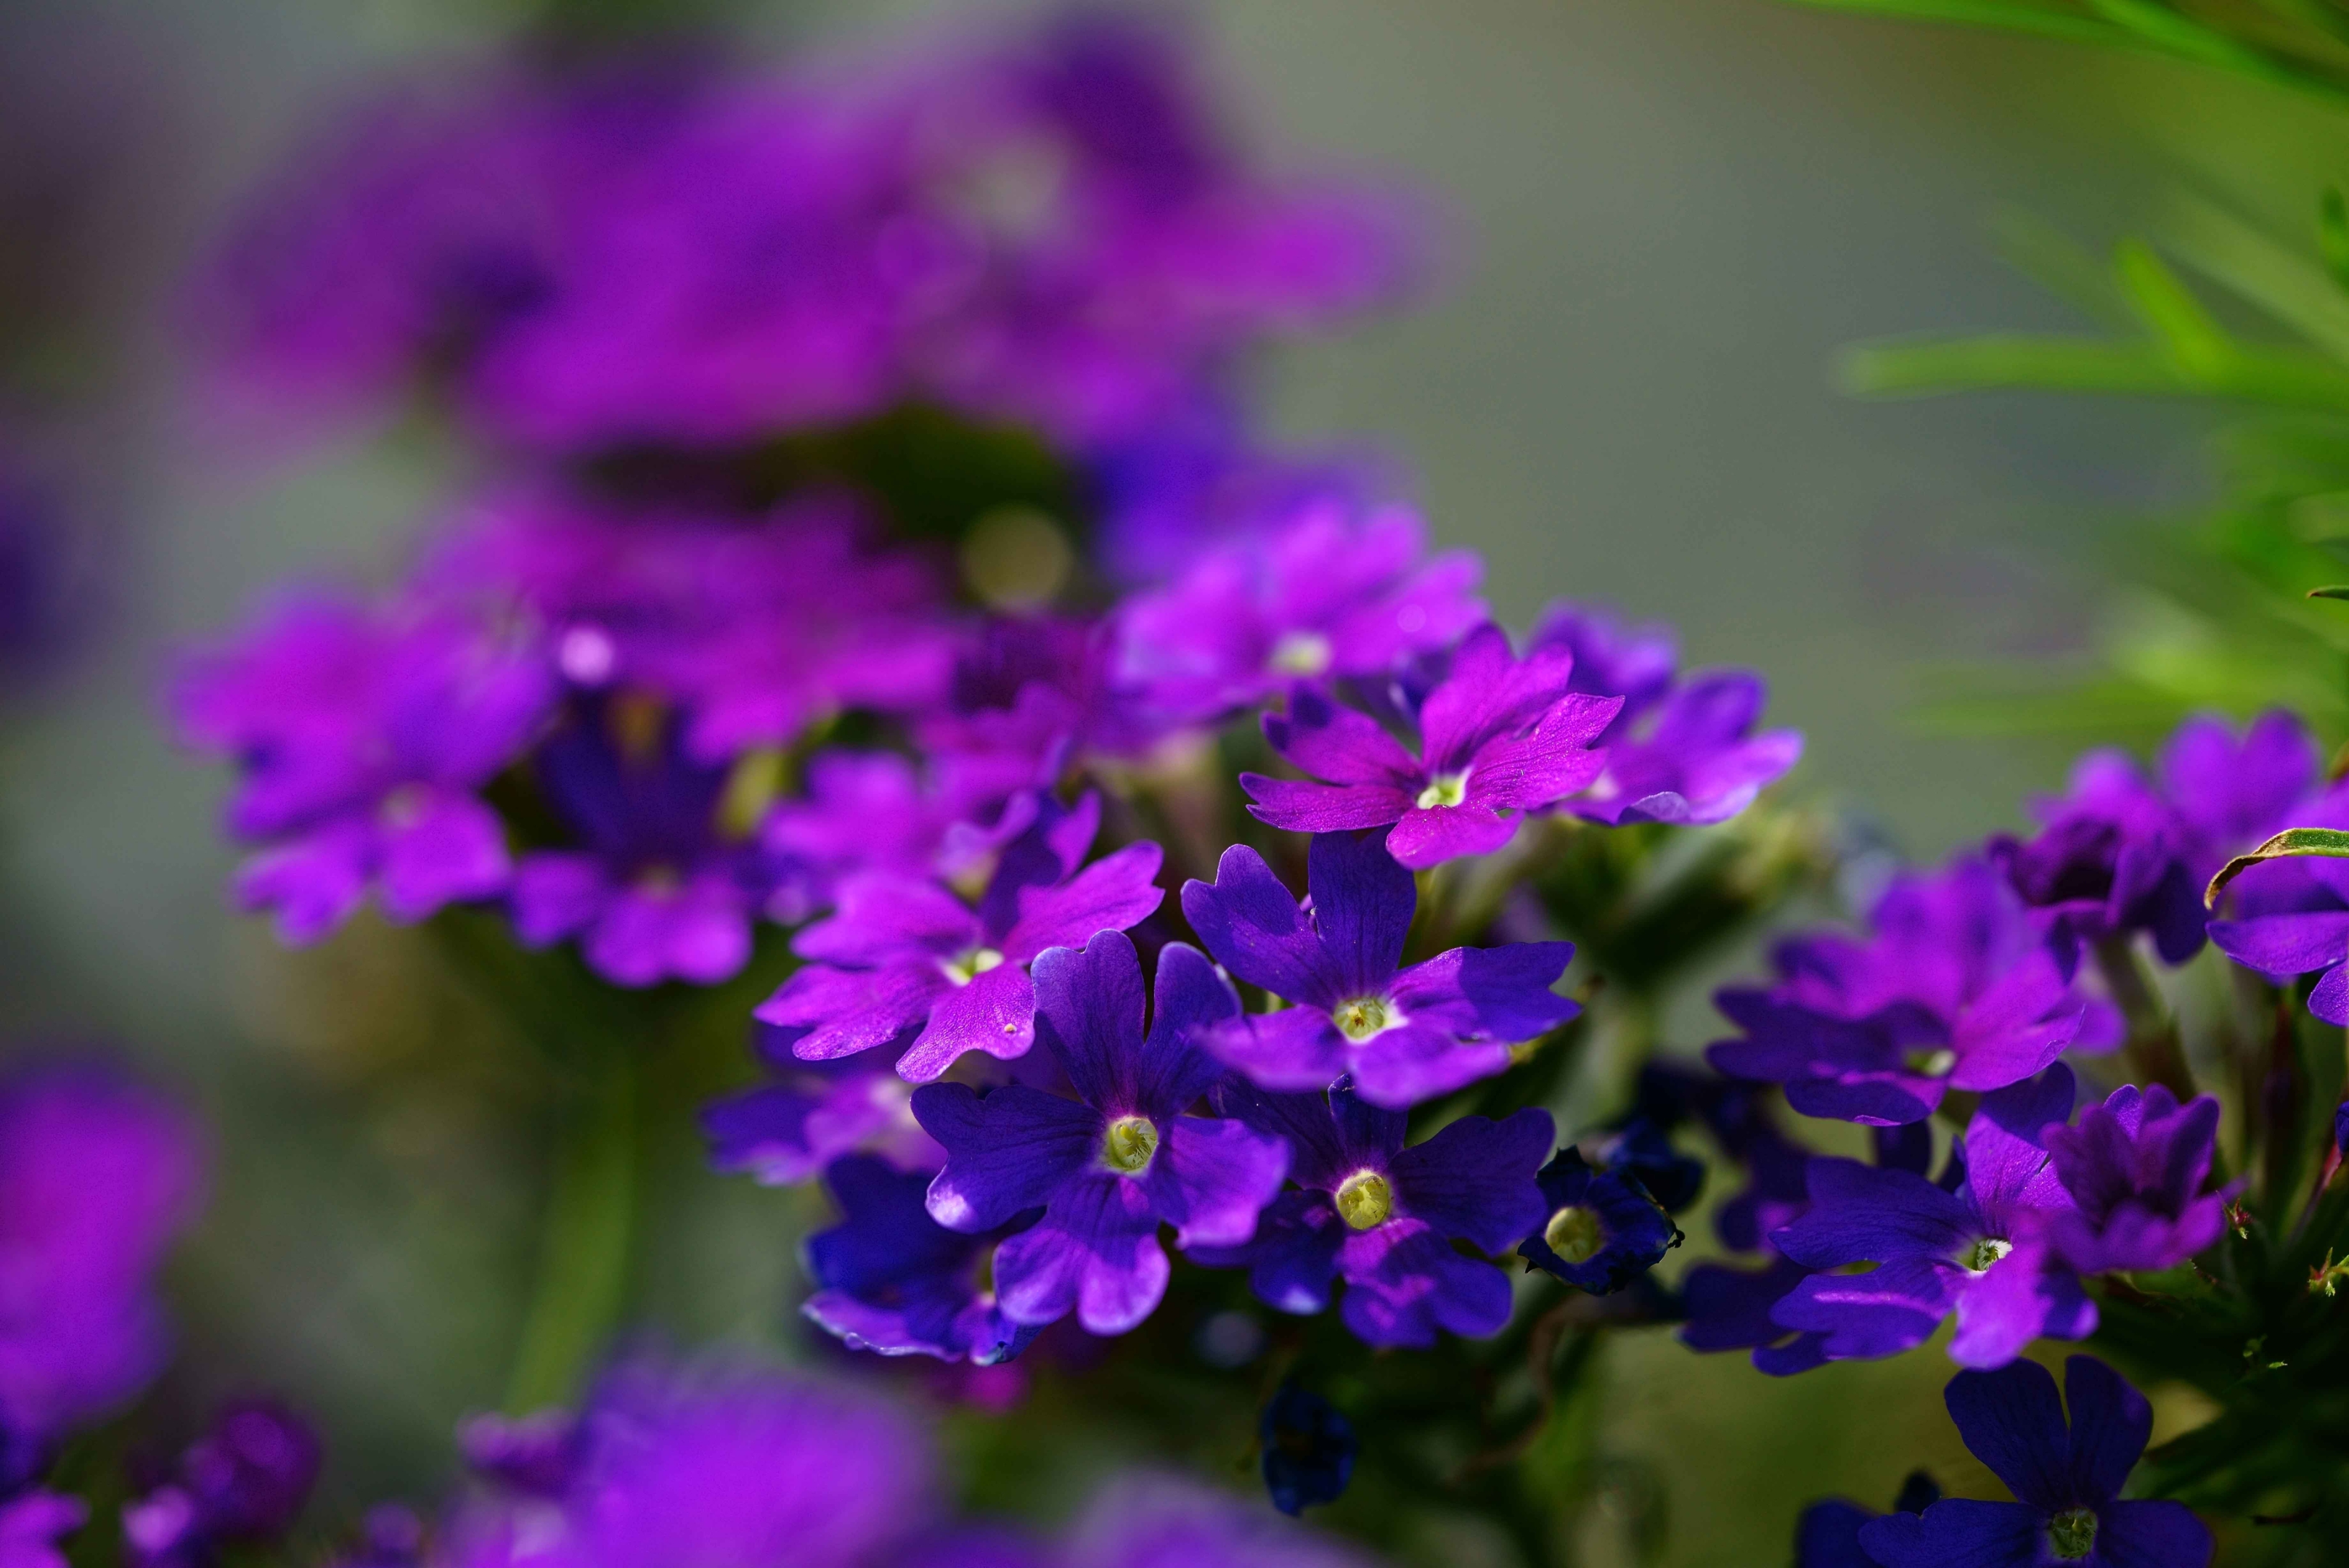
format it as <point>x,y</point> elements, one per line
<point>535,1453</point>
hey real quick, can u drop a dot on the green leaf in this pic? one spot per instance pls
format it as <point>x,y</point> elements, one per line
<point>2290,378</point>
<point>2337,591</point>
<point>2169,310</point>
<point>2045,21</point>
<point>2293,290</point>
<point>2061,265</point>
<point>2333,235</point>
<point>2329,843</point>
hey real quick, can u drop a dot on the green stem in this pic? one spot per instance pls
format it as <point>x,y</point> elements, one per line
<point>583,1263</point>
<point>2153,1043</point>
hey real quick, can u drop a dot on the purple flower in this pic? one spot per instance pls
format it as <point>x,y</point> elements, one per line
<point>2231,795</point>
<point>1404,1034</point>
<point>2291,917</point>
<point>1981,1249</point>
<point>784,1133</point>
<point>30,1525</point>
<point>1953,991</point>
<point>1308,1449</point>
<point>1729,1309</point>
<point>1678,750</point>
<point>661,886</point>
<point>905,963</point>
<point>2068,1481</point>
<point>1828,1534</point>
<point>96,1178</point>
<point>242,1483</point>
<point>2111,858</point>
<point>1153,1521</point>
<point>1499,737</point>
<point>1384,1218</point>
<point>876,811</point>
<point>1603,1231</point>
<point>362,737</point>
<point>726,1465</point>
<point>893,1280</point>
<point>2135,1166</point>
<point>1111,1166</point>
<point>1322,598</point>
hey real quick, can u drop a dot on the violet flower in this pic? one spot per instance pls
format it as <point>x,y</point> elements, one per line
<point>1404,1034</point>
<point>362,738</point>
<point>1827,1533</point>
<point>96,1179</point>
<point>2111,858</point>
<point>1154,1522</point>
<point>2068,1481</point>
<point>1981,1250</point>
<point>32,1522</point>
<point>661,888</point>
<point>1322,598</point>
<point>1604,1230</point>
<point>1679,751</point>
<point>907,965</point>
<point>1954,990</point>
<point>876,811</point>
<point>2291,917</point>
<point>1383,1218</point>
<point>1308,1449</point>
<point>893,1280</point>
<point>2135,1166</point>
<point>1499,737</point>
<point>1111,1166</point>
<point>2231,795</point>
<point>240,1485</point>
<point>783,1133</point>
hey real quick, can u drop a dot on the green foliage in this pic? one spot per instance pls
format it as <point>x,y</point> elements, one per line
<point>2292,841</point>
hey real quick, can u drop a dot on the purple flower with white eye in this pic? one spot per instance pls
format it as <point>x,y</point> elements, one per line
<point>1111,1166</point>
<point>1952,991</point>
<point>1404,1034</point>
<point>890,1279</point>
<point>2111,858</point>
<point>2068,1481</point>
<point>786,1132</point>
<point>96,1178</point>
<point>2135,1166</point>
<point>240,1484</point>
<point>362,737</point>
<point>1499,736</point>
<point>2291,917</point>
<point>1383,1218</point>
<point>905,963</point>
<point>661,886</point>
<point>30,1525</point>
<point>1679,751</point>
<point>1981,1249</point>
<point>1603,1230</point>
<point>1323,597</point>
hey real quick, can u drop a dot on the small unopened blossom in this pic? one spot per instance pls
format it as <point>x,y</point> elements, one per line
<point>1601,1231</point>
<point>1982,1250</point>
<point>1308,1449</point>
<point>1498,737</point>
<point>1111,1166</point>
<point>2135,1167</point>
<point>905,963</point>
<point>890,1279</point>
<point>1404,1034</point>
<point>2066,1480</point>
<point>1383,1218</point>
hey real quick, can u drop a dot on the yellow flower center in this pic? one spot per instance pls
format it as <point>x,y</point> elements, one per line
<point>1301,653</point>
<point>2072,1534</point>
<point>1984,1252</point>
<point>1365,1199</point>
<point>1364,1017</point>
<point>1129,1144</point>
<point>1932,1064</point>
<point>1443,790</point>
<point>1575,1233</point>
<point>970,963</point>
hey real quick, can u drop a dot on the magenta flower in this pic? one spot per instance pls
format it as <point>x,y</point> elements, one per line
<point>1498,737</point>
<point>1383,1218</point>
<point>1405,1034</point>
<point>904,963</point>
<point>1111,1166</point>
<point>2135,1167</point>
<point>1323,596</point>
<point>785,1132</point>
<point>32,1521</point>
<point>362,738</point>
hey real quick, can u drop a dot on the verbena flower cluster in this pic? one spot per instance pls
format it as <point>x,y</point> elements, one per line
<point>1156,885</point>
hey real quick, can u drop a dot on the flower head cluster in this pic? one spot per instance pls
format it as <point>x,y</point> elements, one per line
<point>240,1485</point>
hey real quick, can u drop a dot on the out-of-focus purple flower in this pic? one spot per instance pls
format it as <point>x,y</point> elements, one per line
<point>2068,1481</point>
<point>2232,793</point>
<point>724,1465</point>
<point>1954,990</point>
<point>536,1454</point>
<point>1153,1521</point>
<point>390,1536</point>
<point>754,627</point>
<point>1322,598</point>
<point>876,811</point>
<point>892,1279</point>
<point>1499,737</point>
<point>2110,858</point>
<point>1729,1309</point>
<point>1828,1534</point>
<point>1604,1230</point>
<point>96,1178</point>
<point>31,1523</point>
<point>905,963</point>
<point>1384,1218</point>
<point>1111,1166</point>
<point>786,1132</point>
<point>1982,1250</point>
<point>361,737</point>
<point>2135,1166</point>
<point>1679,751</point>
<point>2291,917</point>
<point>660,886</point>
<point>1308,1449</point>
<point>240,1484</point>
<point>1405,1034</point>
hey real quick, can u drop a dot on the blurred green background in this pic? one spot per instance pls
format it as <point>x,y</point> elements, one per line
<point>1662,218</point>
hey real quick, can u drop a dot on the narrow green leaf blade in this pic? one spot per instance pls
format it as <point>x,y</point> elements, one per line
<point>2329,843</point>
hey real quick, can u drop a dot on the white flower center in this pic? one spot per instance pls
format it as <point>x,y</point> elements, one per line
<point>1365,1017</point>
<point>1979,1257</point>
<point>1444,790</point>
<point>1301,653</point>
<point>969,964</point>
<point>1129,1144</point>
